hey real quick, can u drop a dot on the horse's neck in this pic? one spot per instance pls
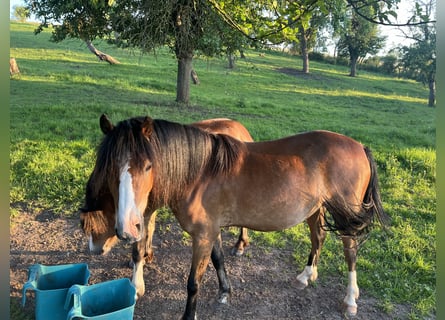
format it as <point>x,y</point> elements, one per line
<point>179,163</point>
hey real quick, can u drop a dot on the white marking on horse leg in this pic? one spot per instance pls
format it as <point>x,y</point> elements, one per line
<point>352,293</point>
<point>309,273</point>
<point>138,278</point>
<point>91,244</point>
<point>94,249</point>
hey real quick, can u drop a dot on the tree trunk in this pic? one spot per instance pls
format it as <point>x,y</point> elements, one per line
<point>305,57</point>
<point>183,79</point>
<point>231,58</point>
<point>354,60</point>
<point>432,95</point>
<point>304,53</point>
<point>102,56</point>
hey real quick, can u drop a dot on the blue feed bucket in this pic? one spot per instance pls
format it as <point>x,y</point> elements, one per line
<point>110,300</point>
<point>51,284</point>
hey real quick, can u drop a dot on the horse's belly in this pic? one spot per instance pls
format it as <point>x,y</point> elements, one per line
<point>272,218</point>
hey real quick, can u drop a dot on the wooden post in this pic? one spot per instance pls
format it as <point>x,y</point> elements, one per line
<point>13,67</point>
<point>194,77</point>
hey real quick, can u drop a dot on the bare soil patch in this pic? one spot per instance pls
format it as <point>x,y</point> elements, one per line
<point>263,280</point>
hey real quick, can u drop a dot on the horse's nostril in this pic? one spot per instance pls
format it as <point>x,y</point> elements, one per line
<point>138,226</point>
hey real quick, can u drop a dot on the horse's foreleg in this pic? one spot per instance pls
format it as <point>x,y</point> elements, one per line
<point>138,260</point>
<point>150,229</point>
<point>218,262</point>
<point>202,249</point>
<point>149,238</point>
<point>243,241</point>
<point>318,235</point>
<point>352,292</point>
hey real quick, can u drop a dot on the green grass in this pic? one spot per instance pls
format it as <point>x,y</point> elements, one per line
<point>57,99</point>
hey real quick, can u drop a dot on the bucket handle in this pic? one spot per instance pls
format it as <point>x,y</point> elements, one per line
<point>76,311</point>
<point>31,283</point>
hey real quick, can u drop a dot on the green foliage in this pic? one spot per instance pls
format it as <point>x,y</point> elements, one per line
<point>21,13</point>
<point>359,37</point>
<point>62,91</point>
<point>419,59</point>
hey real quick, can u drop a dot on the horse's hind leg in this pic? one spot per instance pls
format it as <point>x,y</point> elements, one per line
<point>243,241</point>
<point>352,292</point>
<point>318,235</point>
<point>218,262</point>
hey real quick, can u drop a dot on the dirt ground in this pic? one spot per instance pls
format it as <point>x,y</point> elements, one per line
<point>263,280</point>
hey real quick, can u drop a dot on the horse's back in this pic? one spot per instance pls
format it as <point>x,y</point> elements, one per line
<point>224,126</point>
<point>307,144</point>
<point>325,161</point>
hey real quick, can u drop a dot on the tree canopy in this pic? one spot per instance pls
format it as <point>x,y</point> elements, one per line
<point>209,27</point>
<point>21,13</point>
<point>419,59</point>
<point>358,37</point>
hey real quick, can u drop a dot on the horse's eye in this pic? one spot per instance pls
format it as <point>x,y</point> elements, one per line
<point>148,167</point>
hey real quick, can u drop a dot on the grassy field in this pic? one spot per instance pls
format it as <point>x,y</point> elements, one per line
<point>62,89</point>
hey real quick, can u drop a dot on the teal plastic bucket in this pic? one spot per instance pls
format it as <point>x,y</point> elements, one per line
<point>110,300</point>
<point>51,284</point>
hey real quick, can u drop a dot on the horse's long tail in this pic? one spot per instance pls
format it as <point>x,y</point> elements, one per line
<point>372,201</point>
<point>347,220</point>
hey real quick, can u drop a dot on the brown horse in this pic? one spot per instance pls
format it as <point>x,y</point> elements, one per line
<point>212,181</point>
<point>98,225</point>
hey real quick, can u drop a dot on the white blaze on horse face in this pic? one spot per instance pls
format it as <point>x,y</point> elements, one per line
<point>128,214</point>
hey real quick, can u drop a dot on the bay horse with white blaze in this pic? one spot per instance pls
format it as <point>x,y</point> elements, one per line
<point>97,216</point>
<point>211,181</point>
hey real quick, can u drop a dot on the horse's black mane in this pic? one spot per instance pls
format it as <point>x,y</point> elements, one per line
<point>179,154</point>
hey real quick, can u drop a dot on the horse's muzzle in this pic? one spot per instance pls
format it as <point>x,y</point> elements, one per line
<point>129,238</point>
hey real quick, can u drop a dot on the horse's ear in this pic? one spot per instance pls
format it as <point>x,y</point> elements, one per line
<point>105,124</point>
<point>147,127</point>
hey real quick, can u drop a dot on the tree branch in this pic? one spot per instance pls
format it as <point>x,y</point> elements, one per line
<point>102,56</point>
<point>355,6</point>
<point>226,17</point>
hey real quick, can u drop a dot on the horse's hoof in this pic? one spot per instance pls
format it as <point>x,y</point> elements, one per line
<point>183,317</point>
<point>237,252</point>
<point>149,258</point>
<point>350,311</point>
<point>139,294</point>
<point>224,298</point>
<point>301,285</point>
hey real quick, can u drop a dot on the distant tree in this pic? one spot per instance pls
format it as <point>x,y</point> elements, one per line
<point>185,26</point>
<point>389,64</point>
<point>308,28</point>
<point>419,59</point>
<point>358,37</point>
<point>21,13</point>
